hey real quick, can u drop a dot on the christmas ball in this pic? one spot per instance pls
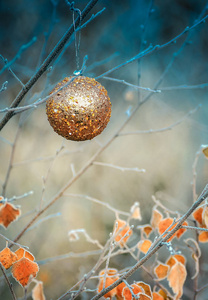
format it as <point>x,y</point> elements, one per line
<point>78,109</point>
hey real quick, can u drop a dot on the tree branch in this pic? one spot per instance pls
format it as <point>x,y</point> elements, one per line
<point>56,50</point>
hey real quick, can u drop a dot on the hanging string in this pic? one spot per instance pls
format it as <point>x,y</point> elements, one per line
<point>77,35</point>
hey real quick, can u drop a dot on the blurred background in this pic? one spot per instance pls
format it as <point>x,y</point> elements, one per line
<point>123,30</point>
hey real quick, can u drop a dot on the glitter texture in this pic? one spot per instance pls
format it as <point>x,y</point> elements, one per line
<point>81,110</point>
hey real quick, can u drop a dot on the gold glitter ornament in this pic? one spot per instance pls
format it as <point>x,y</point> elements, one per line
<point>81,110</point>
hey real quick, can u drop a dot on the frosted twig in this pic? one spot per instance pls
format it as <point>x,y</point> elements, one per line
<point>131,85</point>
<point>53,54</point>
<point>123,169</point>
<point>13,243</point>
<point>176,54</point>
<point>152,49</point>
<point>170,127</point>
<point>195,173</point>
<point>130,289</point>
<point>8,282</point>
<point>73,170</point>
<point>58,214</point>
<point>10,166</point>
<point>111,248</point>
<point>36,103</point>
<point>14,198</point>
<point>194,228</point>
<point>70,255</point>
<point>158,245</point>
<point>96,64</point>
<point>107,205</point>
<point>18,55</point>
<point>93,16</point>
<point>185,87</point>
<point>45,179</point>
<point>50,30</point>
<point>167,210</point>
<point>4,86</point>
<point>87,276</point>
<point>47,158</point>
<point>75,232</point>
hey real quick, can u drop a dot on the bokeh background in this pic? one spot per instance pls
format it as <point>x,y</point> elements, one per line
<point>109,40</point>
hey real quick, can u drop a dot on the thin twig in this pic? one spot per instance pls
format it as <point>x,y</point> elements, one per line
<point>53,54</point>
<point>170,127</point>
<point>158,245</point>
<point>151,49</point>
<point>8,282</point>
<point>10,166</point>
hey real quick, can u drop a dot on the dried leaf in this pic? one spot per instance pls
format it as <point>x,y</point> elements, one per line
<point>123,229</point>
<point>147,230</point>
<point>203,237</point>
<point>156,218</point>
<point>161,271</point>
<point>8,214</point>
<point>205,217</point>
<point>144,245</point>
<point>111,277</point>
<point>7,258</point>
<point>162,293</point>
<point>37,292</point>
<point>24,270</point>
<point>145,287</point>
<point>21,252</point>
<point>166,223</point>
<point>198,215</point>
<point>127,293</point>
<point>205,151</point>
<point>180,258</point>
<point>176,278</point>
<point>171,261</point>
<point>119,291</point>
<point>73,236</point>
<point>135,211</point>
<point>156,296</point>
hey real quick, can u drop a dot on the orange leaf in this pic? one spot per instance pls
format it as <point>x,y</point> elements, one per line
<point>180,258</point>
<point>7,258</point>
<point>198,215</point>
<point>162,293</point>
<point>171,261</point>
<point>156,218</point>
<point>23,270</point>
<point>21,252</point>
<point>144,245</point>
<point>127,293</point>
<point>176,278</point>
<point>203,237</point>
<point>166,223</point>
<point>122,229</point>
<point>147,230</point>
<point>111,277</point>
<point>205,217</point>
<point>146,288</point>
<point>119,291</point>
<point>37,292</point>
<point>156,296</point>
<point>8,214</point>
<point>161,271</point>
